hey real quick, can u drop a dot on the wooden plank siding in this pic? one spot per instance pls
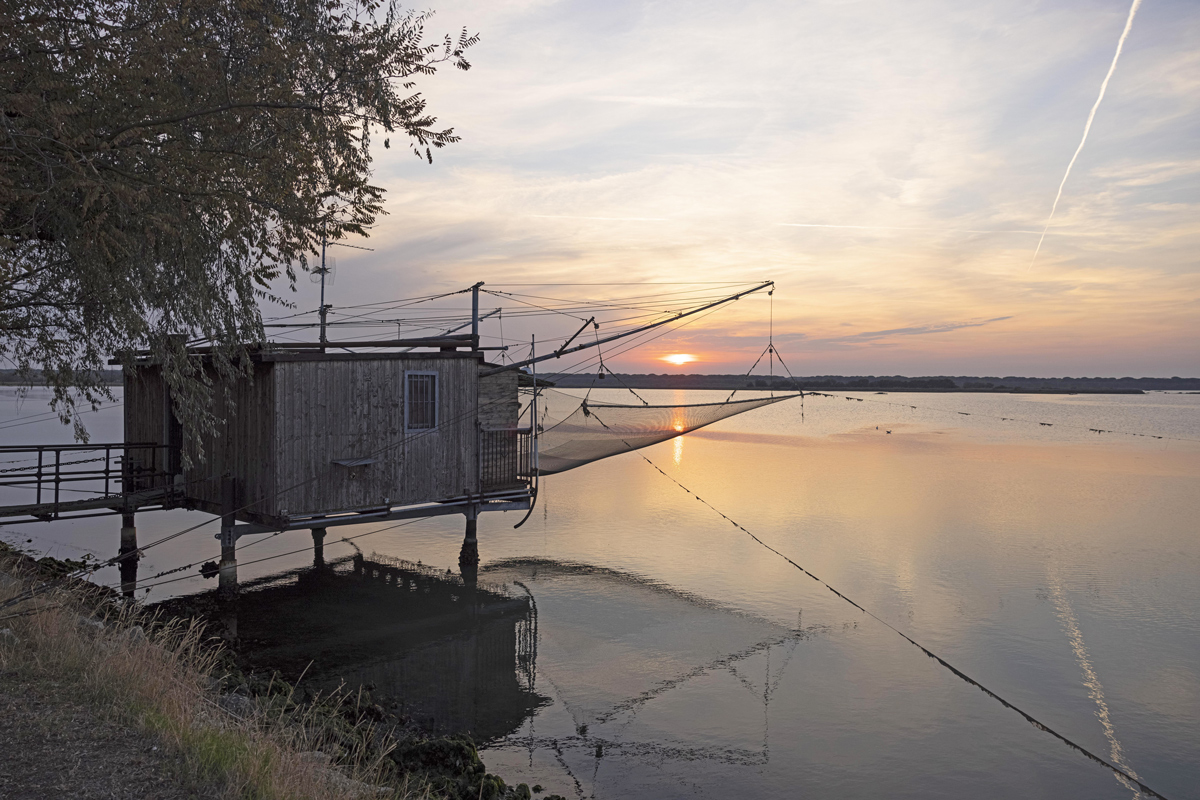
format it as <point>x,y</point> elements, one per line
<point>331,409</point>
<point>300,413</point>
<point>144,423</point>
<point>143,399</point>
<point>241,446</point>
<point>499,403</point>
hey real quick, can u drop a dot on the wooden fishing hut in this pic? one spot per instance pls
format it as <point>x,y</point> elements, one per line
<point>346,433</point>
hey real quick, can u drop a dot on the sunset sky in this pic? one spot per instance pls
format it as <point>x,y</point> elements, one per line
<point>890,165</point>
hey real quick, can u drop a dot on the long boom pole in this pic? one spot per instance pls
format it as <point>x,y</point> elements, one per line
<point>616,336</point>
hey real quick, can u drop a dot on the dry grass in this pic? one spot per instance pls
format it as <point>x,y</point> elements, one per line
<point>158,676</point>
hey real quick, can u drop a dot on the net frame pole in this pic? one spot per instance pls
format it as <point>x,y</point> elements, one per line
<point>616,336</point>
<point>534,420</point>
<point>475,315</point>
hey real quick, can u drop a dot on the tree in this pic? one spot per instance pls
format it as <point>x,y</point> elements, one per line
<point>163,161</point>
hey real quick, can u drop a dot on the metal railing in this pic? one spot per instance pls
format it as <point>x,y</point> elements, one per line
<point>50,478</point>
<point>505,458</point>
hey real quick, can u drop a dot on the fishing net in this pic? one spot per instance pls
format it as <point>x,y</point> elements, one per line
<point>599,430</point>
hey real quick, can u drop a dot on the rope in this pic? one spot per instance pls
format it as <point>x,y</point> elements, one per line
<point>627,386</point>
<point>51,467</point>
<point>33,419</point>
<point>747,375</point>
<point>535,305</point>
<point>771,343</point>
<point>1028,717</point>
<point>605,368</point>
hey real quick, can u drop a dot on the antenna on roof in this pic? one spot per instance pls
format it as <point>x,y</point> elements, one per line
<point>328,272</point>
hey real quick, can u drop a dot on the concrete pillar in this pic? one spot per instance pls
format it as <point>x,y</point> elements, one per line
<point>128,553</point>
<point>318,536</point>
<point>227,582</point>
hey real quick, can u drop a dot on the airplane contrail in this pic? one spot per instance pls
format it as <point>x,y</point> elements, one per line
<point>1087,126</point>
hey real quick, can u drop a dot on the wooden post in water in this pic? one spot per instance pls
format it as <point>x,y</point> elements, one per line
<point>128,553</point>
<point>468,557</point>
<point>318,536</point>
<point>227,576</point>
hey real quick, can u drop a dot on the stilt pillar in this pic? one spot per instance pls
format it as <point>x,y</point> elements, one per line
<point>468,557</point>
<point>227,571</point>
<point>128,554</point>
<point>318,536</point>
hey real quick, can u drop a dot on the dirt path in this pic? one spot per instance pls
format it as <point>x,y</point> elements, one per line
<point>51,749</point>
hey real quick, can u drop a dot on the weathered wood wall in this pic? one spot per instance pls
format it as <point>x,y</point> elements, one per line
<point>143,406</point>
<point>241,447</point>
<point>338,409</point>
<point>499,404</point>
<point>300,413</point>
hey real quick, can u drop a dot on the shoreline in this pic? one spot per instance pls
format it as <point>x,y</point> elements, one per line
<point>168,698</point>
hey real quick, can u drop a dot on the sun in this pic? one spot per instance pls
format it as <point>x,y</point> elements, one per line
<point>679,359</point>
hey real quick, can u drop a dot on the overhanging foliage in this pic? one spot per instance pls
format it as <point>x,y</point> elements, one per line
<point>163,162</point>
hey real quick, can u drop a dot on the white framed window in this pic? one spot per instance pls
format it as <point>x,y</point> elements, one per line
<point>420,400</point>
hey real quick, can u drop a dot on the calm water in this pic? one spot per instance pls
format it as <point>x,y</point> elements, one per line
<point>641,646</point>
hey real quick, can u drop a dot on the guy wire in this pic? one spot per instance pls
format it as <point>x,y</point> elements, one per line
<point>1028,717</point>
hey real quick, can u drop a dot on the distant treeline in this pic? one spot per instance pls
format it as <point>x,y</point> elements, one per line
<point>940,383</point>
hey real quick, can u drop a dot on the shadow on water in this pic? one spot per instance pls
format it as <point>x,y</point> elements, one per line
<point>451,656</point>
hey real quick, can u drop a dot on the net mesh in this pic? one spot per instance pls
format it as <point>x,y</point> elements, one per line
<point>599,430</point>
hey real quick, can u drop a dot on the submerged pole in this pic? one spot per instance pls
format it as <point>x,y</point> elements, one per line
<point>227,582</point>
<point>128,553</point>
<point>318,536</point>
<point>468,557</point>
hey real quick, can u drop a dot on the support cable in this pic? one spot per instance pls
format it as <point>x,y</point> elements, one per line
<point>747,375</point>
<point>1028,717</point>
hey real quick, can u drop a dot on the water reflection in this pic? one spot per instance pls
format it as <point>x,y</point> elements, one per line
<point>655,652</point>
<point>450,654</point>
<point>1070,624</point>
<point>1044,560</point>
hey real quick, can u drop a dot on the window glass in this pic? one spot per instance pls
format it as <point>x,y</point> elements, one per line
<point>420,401</point>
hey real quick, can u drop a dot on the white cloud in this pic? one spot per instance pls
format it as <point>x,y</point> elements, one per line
<point>673,141</point>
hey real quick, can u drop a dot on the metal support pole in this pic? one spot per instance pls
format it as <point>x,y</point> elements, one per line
<point>534,404</point>
<point>324,272</point>
<point>475,316</point>
<point>318,536</point>
<point>227,575</point>
<point>128,553</point>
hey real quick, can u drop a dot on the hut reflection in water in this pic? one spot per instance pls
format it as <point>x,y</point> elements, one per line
<point>452,655</point>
